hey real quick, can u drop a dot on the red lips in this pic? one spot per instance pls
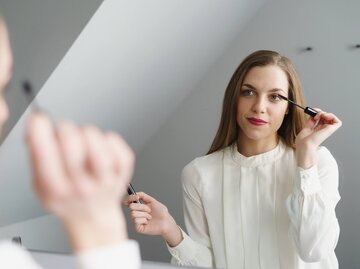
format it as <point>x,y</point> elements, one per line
<point>257,122</point>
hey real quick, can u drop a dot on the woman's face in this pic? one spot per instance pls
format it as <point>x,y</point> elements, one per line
<point>260,111</point>
<point>5,71</point>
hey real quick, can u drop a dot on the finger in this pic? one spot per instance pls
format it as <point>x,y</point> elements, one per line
<point>141,228</point>
<point>124,157</point>
<point>330,118</point>
<point>98,157</point>
<point>316,123</point>
<point>316,120</point>
<point>139,214</point>
<point>130,199</point>
<point>45,156</point>
<point>72,148</point>
<point>328,124</point>
<point>140,221</point>
<point>139,207</point>
<point>319,113</point>
<point>145,197</point>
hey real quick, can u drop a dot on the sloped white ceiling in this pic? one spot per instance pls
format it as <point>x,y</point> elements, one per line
<point>128,70</point>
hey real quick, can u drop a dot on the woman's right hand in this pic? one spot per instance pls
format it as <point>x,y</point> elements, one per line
<point>153,218</point>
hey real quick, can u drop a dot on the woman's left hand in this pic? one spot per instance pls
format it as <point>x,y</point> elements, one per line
<point>315,132</point>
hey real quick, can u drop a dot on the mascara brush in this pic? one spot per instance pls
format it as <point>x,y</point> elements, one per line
<point>308,110</point>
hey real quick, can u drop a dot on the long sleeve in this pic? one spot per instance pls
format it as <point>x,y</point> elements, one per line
<point>311,208</point>
<point>194,250</point>
<point>123,255</point>
<point>14,257</point>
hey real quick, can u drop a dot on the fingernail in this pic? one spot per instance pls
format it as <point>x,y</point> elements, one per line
<point>316,124</point>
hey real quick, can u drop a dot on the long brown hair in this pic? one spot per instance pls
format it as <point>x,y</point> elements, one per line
<point>293,122</point>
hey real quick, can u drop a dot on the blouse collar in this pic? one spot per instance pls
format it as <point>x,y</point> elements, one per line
<point>256,160</point>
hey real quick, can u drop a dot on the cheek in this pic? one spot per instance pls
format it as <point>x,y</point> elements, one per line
<point>242,107</point>
<point>279,114</point>
<point>239,113</point>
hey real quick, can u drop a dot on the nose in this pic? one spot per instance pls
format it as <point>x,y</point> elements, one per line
<point>260,105</point>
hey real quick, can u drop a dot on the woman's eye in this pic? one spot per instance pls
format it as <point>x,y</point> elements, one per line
<point>247,92</point>
<point>275,97</point>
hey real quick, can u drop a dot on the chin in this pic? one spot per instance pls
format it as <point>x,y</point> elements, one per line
<point>255,135</point>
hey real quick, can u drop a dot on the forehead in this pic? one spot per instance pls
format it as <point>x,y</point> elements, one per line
<point>265,78</point>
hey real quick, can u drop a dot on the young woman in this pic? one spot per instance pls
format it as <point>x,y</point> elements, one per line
<point>264,196</point>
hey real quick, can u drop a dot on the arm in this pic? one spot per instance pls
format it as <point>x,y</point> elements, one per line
<point>153,218</point>
<point>80,174</point>
<point>311,206</point>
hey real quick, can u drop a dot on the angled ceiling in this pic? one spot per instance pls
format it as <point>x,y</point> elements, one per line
<point>41,32</point>
<point>128,70</point>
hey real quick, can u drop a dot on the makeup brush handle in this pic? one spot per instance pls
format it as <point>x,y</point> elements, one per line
<point>310,111</point>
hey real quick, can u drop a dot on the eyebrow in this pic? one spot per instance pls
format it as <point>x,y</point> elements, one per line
<point>272,90</point>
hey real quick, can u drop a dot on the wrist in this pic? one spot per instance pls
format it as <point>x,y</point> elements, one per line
<point>87,232</point>
<point>306,156</point>
<point>172,233</point>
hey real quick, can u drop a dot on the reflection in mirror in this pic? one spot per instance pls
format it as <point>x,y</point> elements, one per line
<point>160,81</point>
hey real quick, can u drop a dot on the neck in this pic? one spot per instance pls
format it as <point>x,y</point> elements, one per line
<point>249,147</point>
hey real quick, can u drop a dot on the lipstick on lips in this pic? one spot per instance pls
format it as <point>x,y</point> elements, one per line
<point>257,122</point>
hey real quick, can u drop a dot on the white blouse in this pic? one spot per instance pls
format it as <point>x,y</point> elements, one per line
<point>261,211</point>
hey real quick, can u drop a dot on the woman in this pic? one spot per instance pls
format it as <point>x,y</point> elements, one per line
<point>265,194</point>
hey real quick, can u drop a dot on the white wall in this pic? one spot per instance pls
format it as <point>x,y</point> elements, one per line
<point>330,75</point>
<point>42,233</point>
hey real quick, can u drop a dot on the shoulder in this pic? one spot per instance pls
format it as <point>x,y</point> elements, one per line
<point>202,166</point>
<point>206,162</point>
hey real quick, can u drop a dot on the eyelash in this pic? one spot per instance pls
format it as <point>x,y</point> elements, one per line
<point>249,92</point>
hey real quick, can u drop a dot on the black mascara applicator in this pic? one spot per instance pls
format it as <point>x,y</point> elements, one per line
<point>308,110</point>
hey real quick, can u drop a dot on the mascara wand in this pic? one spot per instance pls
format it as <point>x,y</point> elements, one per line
<point>308,110</point>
